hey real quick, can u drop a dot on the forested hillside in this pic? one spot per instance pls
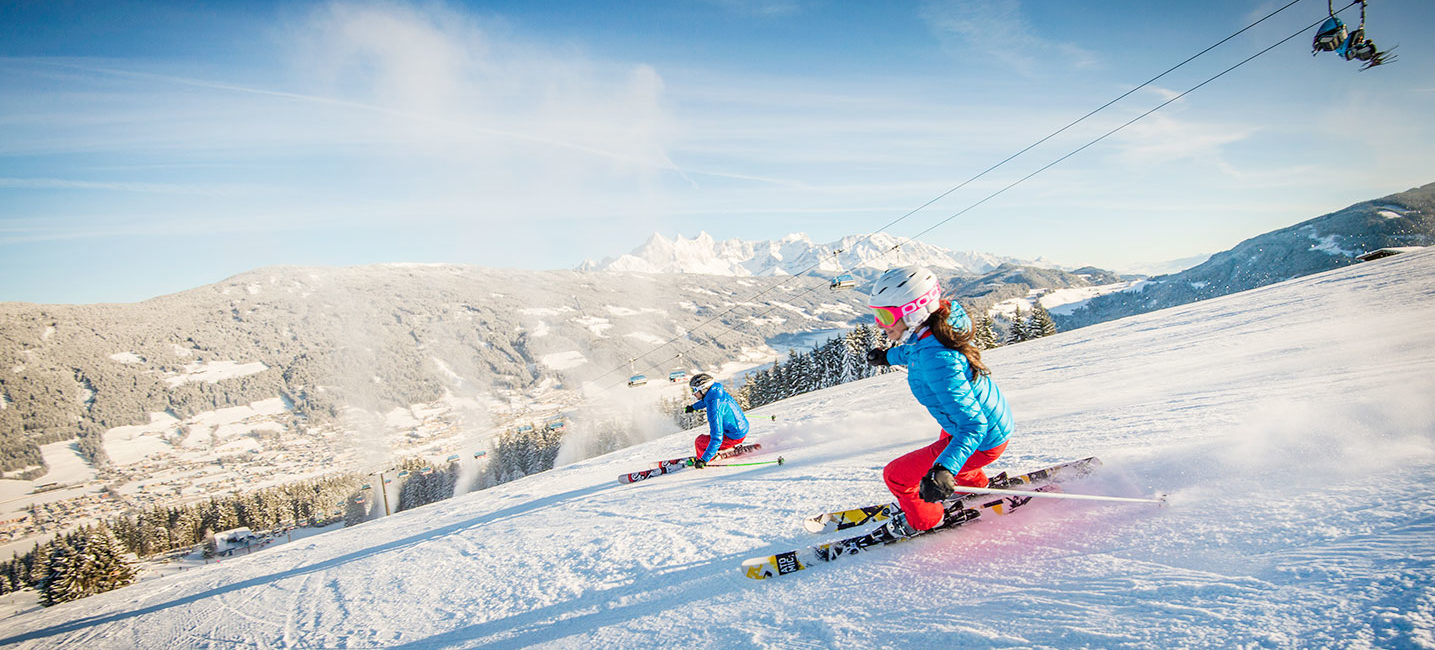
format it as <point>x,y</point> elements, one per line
<point>368,337</point>
<point>383,336</point>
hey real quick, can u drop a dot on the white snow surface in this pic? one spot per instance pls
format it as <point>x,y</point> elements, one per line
<point>1291,426</point>
<point>127,357</point>
<point>563,360</point>
<point>215,371</point>
<point>1058,301</point>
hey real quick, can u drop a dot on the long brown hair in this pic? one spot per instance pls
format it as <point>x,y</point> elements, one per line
<point>964,340</point>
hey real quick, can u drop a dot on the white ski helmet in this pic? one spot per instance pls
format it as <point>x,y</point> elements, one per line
<point>907,292</point>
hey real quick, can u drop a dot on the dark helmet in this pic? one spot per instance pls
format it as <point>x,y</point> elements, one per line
<point>700,382</point>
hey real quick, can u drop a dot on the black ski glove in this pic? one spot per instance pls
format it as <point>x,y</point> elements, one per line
<point>689,409</point>
<point>877,357</point>
<point>937,485</point>
<point>699,463</point>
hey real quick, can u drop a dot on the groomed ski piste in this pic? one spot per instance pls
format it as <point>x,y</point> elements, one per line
<point>1292,427</point>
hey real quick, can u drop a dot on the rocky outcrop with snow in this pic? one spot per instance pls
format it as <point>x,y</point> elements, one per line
<point>793,255</point>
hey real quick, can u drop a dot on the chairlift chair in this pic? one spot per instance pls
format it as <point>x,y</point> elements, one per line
<point>1330,37</point>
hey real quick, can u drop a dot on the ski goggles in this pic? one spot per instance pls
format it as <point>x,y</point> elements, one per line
<point>888,316</point>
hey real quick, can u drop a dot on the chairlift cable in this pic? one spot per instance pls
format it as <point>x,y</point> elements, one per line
<point>1083,118</point>
<point>1112,131</point>
<point>1004,161</point>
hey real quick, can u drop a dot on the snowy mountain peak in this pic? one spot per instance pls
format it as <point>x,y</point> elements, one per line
<point>794,253</point>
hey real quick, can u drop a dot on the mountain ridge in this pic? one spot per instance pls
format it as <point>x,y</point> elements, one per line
<point>1318,244</point>
<point>795,254</point>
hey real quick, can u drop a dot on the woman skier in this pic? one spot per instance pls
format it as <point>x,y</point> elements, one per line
<point>727,426</point>
<point>946,374</point>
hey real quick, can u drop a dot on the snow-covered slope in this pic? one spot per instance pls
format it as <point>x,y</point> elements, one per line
<point>1291,425</point>
<point>792,255</point>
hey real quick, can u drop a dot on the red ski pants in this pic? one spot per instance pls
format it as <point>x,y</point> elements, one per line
<point>904,475</point>
<point>701,444</point>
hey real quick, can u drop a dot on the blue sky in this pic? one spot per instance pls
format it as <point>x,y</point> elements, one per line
<point>148,148</point>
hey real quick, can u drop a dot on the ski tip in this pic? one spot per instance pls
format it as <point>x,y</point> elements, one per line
<point>759,568</point>
<point>816,524</point>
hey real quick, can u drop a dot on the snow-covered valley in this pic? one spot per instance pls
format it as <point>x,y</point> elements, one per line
<point>1291,427</point>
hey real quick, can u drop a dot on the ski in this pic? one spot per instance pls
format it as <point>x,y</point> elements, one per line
<point>958,513</point>
<point>676,464</point>
<point>839,520</point>
<point>959,510</point>
<point>726,453</point>
<point>643,475</point>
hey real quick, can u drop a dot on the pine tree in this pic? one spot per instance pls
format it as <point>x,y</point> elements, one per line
<point>110,570</point>
<point>356,513</point>
<point>1040,323</point>
<point>794,374</point>
<point>1018,329</point>
<point>62,580</point>
<point>742,396</point>
<point>854,356</point>
<point>39,565</point>
<point>986,335</point>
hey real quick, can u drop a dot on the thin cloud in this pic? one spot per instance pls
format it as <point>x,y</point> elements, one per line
<point>765,8</point>
<point>999,35</point>
<point>1165,138</point>
<point>68,184</point>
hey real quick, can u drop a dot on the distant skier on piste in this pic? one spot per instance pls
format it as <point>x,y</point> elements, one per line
<point>945,372</point>
<point>727,425</point>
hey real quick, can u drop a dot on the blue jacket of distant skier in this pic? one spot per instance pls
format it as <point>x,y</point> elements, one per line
<point>967,405</point>
<point>725,419</point>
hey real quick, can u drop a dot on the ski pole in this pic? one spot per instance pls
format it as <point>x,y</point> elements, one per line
<point>780,460</point>
<point>1058,495</point>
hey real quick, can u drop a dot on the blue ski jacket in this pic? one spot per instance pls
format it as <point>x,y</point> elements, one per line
<point>967,405</point>
<point>725,419</point>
